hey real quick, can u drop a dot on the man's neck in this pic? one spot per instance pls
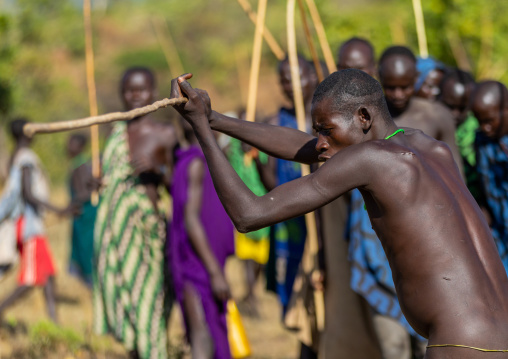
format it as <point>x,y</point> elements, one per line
<point>396,113</point>
<point>384,129</point>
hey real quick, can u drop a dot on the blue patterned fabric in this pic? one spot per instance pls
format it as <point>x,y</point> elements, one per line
<point>492,165</point>
<point>289,235</point>
<point>371,276</point>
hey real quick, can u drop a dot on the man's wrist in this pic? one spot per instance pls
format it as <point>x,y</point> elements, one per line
<point>213,119</point>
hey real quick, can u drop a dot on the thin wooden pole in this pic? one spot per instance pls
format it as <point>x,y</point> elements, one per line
<point>310,219</point>
<point>458,50</point>
<point>420,28</point>
<point>32,128</point>
<point>241,69</point>
<point>161,29</point>
<point>256,62</point>
<point>270,40</point>
<point>92,96</point>
<point>323,41</point>
<point>310,42</point>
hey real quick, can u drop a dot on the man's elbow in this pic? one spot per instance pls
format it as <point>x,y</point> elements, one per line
<point>246,223</point>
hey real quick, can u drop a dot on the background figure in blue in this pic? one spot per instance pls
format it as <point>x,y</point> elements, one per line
<point>430,75</point>
<point>83,224</point>
<point>288,238</point>
<point>490,107</point>
<point>371,277</point>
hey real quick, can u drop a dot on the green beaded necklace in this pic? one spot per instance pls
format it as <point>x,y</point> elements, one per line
<point>393,134</point>
<point>400,130</point>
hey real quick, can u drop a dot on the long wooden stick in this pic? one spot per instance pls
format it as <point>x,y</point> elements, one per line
<point>420,28</point>
<point>92,96</point>
<point>270,40</point>
<point>310,219</point>
<point>458,50</point>
<point>320,31</point>
<point>32,128</point>
<point>310,42</point>
<point>256,62</point>
<point>161,29</point>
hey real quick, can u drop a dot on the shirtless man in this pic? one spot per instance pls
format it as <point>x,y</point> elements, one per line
<point>490,106</point>
<point>448,275</point>
<point>371,276</point>
<point>455,92</point>
<point>397,74</point>
<point>357,53</point>
<point>129,230</point>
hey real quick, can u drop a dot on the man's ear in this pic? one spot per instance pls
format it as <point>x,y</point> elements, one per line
<point>365,118</point>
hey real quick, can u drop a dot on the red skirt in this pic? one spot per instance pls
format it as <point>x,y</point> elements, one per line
<point>36,264</point>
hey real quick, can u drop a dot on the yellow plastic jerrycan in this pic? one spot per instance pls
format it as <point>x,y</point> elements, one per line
<point>238,342</point>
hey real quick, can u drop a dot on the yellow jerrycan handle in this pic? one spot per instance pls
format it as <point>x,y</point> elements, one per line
<point>238,342</point>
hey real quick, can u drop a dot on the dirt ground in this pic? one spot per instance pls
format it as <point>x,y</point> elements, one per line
<point>17,340</point>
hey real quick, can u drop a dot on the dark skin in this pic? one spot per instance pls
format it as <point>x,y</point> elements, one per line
<point>430,88</point>
<point>397,75</point>
<point>150,143</point>
<point>309,82</point>
<point>488,108</point>
<point>357,55</point>
<point>80,176</point>
<point>448,275</point>
<point>455,96</point>
<point>29,197</point>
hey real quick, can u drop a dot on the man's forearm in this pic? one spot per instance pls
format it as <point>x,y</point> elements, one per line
<point>277,141</point>
<point>233,193</point>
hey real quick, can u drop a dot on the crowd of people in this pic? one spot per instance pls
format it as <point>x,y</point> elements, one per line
<point>381,219</point>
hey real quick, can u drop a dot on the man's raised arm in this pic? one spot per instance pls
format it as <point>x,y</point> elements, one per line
<point>248,211</point>
<point>281,142</point>
<point>277,141</point>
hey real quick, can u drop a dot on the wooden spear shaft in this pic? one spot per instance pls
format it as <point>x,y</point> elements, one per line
<point>320,31</point>
<point>256,62</point>
<point>310,219</point>
<point>32,128</point>
<point>92,96</point>
<point>310,42</point>
<point>420,28</point>
<point>270,40</point>
<point>161,29</point>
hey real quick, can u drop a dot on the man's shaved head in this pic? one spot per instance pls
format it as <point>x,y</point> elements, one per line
<point>397,73</point>
<point>308,78</point>
<point>489,103</point>
<point>357,53</point>
<point>351,89</point>
<point>455,92</point>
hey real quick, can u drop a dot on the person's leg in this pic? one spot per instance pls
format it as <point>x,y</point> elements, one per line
<point>395,341</point>
<point>49,295</point>
<point>199,335</point>
<point>18,293</point>
<point>252,271</point>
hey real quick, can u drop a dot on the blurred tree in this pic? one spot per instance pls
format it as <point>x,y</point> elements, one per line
<point>42,72</point>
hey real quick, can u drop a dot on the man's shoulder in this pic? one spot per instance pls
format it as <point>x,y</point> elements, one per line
<point>433,108</point>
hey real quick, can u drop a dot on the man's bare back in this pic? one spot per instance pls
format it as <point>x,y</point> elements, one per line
<point>448,275</point>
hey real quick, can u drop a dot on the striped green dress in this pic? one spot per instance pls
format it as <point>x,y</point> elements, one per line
<point>129,292</point>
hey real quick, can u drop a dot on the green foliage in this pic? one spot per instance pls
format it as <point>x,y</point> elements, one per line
<point>42,70</point>
<point>47,337</point>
